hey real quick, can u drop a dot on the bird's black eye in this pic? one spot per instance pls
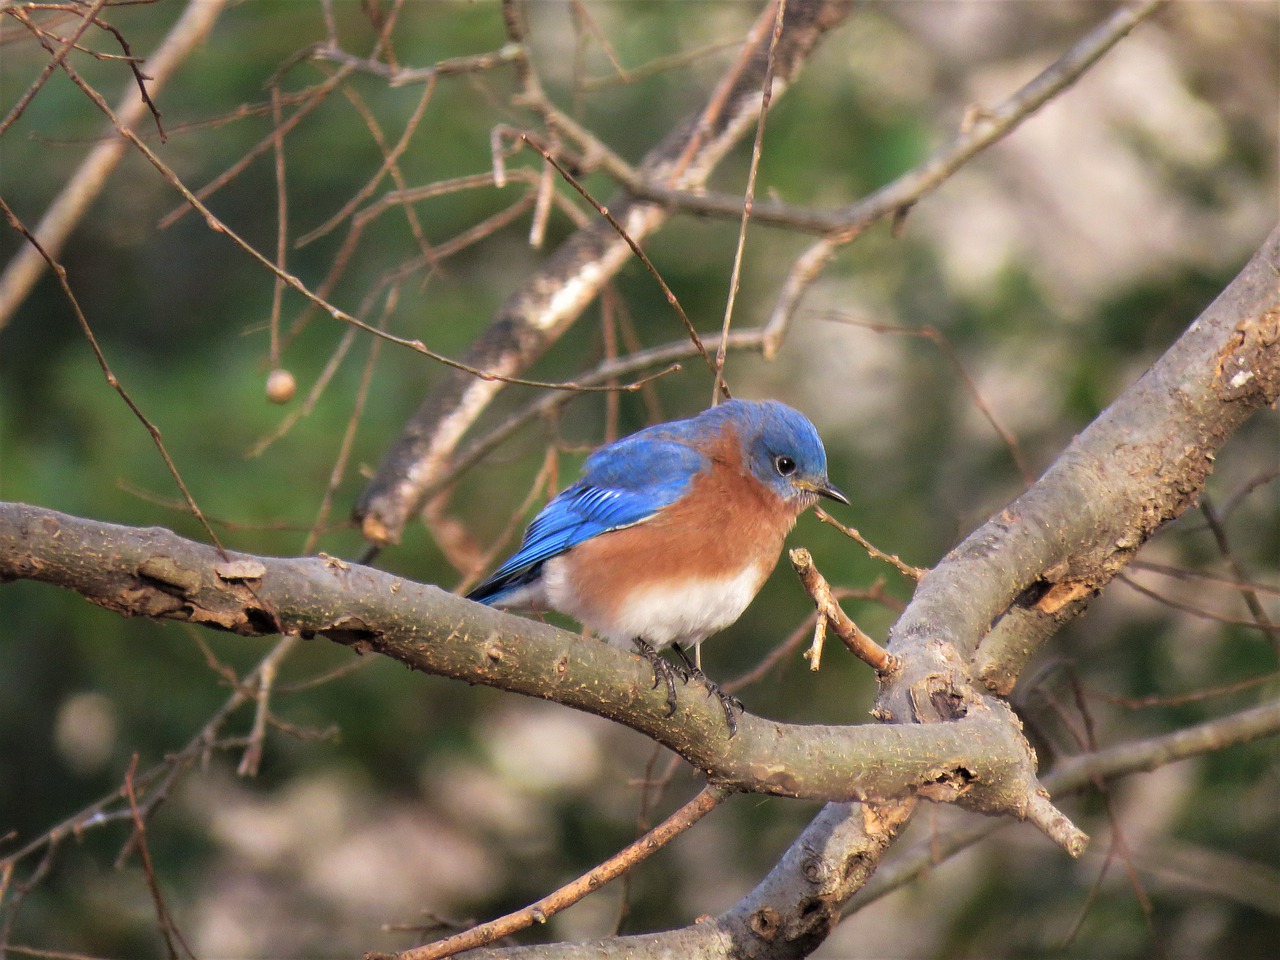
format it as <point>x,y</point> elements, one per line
<point>784,465</point>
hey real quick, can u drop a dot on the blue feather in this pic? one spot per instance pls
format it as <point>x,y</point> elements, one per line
<point>622,484</point>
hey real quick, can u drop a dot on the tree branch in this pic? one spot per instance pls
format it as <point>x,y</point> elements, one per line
<point>984,126</point>
<point>155,573</point>
<point>1079,772</point>
<point>1137,466</point>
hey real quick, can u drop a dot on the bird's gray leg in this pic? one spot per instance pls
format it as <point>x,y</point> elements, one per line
<point>662,670</point>
<point>728,701</point>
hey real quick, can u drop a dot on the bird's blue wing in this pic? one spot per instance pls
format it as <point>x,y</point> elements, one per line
<point>622,484</point>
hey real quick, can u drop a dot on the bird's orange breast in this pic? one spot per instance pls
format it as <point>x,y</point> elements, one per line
<point>693,566</point>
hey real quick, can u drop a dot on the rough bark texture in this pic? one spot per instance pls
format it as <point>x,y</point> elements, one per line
<point>153,572</point>
<point>1004,590</point>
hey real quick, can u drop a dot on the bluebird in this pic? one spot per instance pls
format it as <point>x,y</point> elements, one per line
<point>670,532</point>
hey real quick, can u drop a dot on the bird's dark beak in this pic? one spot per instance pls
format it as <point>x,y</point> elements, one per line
<point>831,493</point>
<point>825,489</point>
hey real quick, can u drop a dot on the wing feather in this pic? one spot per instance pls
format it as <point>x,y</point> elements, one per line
<point>622,484</point>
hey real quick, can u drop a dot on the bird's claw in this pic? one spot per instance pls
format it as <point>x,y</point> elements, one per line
<point>728,702</point>
<point>662,671</point>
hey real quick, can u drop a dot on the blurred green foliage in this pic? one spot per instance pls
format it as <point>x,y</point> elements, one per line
<point>1051,313</point>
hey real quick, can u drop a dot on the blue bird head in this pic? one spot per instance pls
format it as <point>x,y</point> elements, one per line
<point>782,449</point>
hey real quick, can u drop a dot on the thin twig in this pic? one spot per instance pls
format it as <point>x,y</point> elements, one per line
<point>1132,584</point>
<point>830,612</point>
<point>404,76</point>
<point>268,670</point>
<point>1085,739</point>
<point>939,340</point>
<point>1265,623</point>
<point>349,434</point>
<point>635,248</point>
<point>168,929</point>
<point>390,165</point>
<point>635,361</point>
<point>657,65</point>
<point>87,182</point>
<point>55,57</point>
<point>757,147</point>
<point>1193,696</point>
<point>309,100</point>
<point>282,228</point>
<point>915,573</point>
<point>1181,573</point>
<point>623,861</point>
<point>61,274</point>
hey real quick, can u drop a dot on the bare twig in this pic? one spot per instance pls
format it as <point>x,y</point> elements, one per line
<point>405,76</point>
<point>1193,696</point>
<point>635,249</point>
<point>390,166</point>
<point>829,611</point>
<point>939,340</point>
<point>915,573</point>
<point>55,57</point>
<point>307,101</point>
<point>757,146</point>
<point>282,228</point>
<point>635,361</point>
<point>1250,596</point>
<point>655,66</point>
<point>1195,611</point>
<point>61,274</point>
<point>169,931</point>
<point>617,865</point>
<point>1181,573</point>
<point>65,212</point>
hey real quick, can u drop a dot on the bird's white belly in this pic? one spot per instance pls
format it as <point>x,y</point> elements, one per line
<point>674,611</point>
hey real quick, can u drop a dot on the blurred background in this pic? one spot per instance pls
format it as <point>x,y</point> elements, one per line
<point>1052,270</point>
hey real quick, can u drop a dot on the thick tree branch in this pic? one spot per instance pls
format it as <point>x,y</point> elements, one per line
<point>153,572</point>
<point>1137,466</point>
<point>1078,773</point>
